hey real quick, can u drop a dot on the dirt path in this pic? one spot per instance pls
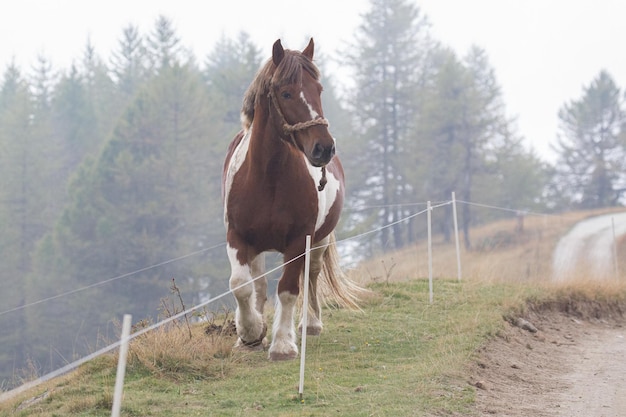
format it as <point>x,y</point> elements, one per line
<point>589,244</point>
<point>568,368</point>
<point>604,356</point>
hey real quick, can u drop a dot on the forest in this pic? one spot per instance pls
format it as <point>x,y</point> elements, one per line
<point>111,169</point>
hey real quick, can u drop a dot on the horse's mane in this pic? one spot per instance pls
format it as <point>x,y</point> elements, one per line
<point>289,71</point>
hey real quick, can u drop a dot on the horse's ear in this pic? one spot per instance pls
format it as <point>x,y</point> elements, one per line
<point>308,51</point>
<point>277,52</point>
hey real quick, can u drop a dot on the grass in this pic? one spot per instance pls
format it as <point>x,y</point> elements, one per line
<point>401,356</point>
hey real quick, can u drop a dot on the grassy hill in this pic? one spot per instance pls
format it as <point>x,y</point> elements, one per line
<point>401,356</point>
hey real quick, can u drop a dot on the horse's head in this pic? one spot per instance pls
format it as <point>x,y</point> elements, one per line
<point>295,93</point>
<point>295,105</point>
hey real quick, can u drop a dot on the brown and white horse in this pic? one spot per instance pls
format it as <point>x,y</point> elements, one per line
<point>282,182</point>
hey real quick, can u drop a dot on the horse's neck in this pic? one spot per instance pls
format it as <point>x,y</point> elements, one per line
<point>267,150</point>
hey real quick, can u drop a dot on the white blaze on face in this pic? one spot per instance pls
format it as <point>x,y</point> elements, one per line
<point>312,112</point>
<point>236,160</point>
<point>325,198</point>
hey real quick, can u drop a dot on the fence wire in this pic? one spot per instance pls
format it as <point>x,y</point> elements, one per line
<point>72,366</point>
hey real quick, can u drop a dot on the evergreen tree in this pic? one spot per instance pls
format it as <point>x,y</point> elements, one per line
<point>483,123</point>
<point>15,135</point>
<point>513,177</point>
<point>591,171</point>
<point>101,93</point>
<point>467,145</point>
<point>24,205</point>
<point>437,157</point>
<point>42,83</point>
<point>391,46</point>
<point>163,45</point>
<point>74,120</point>
<point>128,63</point>
<point>229,69</point>
<point>141,202</point>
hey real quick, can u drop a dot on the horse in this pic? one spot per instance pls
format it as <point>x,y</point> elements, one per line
<point>281,182</point>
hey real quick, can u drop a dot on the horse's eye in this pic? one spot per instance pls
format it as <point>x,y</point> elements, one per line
<point>286,95</point>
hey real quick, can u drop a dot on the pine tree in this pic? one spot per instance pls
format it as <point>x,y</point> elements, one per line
<point>74,120</point>
<point>437,156</point>
<point>229,69</point>
<point>101,93</point>
<point>128,63</point>
<point>467,145</point>
<point>482,122</point>
<point>142,201</point>
<point>591,171</point>
<point>15,133</point>
<point>25,203</point>
<point>163,45</point>
<point>387,59</point>
<point>42,83</point>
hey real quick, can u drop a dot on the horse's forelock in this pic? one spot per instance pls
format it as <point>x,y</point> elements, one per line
<point>289,71</point>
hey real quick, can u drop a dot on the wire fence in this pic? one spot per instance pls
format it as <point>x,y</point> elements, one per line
<point>75,364</point>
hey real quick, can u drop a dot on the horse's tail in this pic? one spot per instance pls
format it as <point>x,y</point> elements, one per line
<point>333,283</point>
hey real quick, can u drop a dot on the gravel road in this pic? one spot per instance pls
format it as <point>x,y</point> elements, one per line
<point>589,245</point>
<point>569,368</point>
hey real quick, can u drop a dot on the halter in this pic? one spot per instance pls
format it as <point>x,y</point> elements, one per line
<point>290,129</point>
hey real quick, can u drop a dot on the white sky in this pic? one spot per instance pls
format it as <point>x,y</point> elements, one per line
<point>543,51</point>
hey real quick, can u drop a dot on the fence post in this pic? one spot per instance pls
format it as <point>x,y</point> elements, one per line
<point>430,253</point>
<point>456,238</point>
<point>121,367</point>
<point>305,312</point>
<point>615,264</point>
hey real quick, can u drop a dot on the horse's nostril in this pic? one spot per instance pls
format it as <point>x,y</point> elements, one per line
<point>322,154</point>
<point>318,151</point>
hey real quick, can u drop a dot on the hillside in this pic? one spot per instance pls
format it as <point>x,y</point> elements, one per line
<point>400,356</point>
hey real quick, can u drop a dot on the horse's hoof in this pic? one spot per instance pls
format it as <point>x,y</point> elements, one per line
<point>256,346</point>
<point>311,330</point>
<point>283,350</point>
<point>283,356</point>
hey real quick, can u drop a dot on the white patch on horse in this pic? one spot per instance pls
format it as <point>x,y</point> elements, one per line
<point>236,160</point>
<point>249,320</point>
<point>325,198</point>
<point>312,112</point>
<point>283,329</point>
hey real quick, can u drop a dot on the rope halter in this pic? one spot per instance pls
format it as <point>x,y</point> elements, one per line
<point>290,129</point>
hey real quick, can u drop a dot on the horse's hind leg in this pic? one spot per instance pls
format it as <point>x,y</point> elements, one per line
<point>249,321</point>
<point>314,318</point>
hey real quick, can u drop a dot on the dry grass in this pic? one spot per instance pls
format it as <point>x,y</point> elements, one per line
<point>621,255</point>
<point>500,253</point>
<point>504,255</point>
<point>179,350</point>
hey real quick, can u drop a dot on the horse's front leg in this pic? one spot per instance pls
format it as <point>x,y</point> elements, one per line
<point>314,318</point>
<point>283,345</point>
<point>251,328</point>
<point>260,284</point>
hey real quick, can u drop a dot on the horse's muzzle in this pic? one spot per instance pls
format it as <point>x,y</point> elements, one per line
<point>322,155</point>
